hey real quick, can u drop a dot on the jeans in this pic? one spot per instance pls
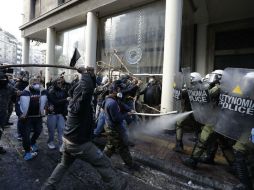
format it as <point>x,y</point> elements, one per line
<point>27,125</point>
<point>100,123</point>
<point>87,152</point>
<point>55,121</point>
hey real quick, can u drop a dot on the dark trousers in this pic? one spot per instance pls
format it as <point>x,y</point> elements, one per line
<point>19,127</point>
<point>87,152</point>
<point>27,126</point>
<point>10,110</point>
<point>3,116</point>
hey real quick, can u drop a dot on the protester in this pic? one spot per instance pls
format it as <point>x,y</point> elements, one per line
<point>6,93</point>
<point>20,85</point>
<point>32,103</point>
<point>57,110</point>
<point>78,134</point>
<point>116,133</point>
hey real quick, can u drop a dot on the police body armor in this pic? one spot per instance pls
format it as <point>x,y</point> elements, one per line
<point>177,96</point>
<point>204,108</point>
<point>236,102</point>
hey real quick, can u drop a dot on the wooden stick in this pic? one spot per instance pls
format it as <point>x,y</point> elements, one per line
<point>120,61</point>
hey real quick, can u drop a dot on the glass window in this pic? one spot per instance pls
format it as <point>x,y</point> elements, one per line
<point>67,41</point>
<point>138,38</point>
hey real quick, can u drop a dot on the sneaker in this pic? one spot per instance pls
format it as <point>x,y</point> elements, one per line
<point>2,150</point>
<point>51,145</point>
<point>19,137</point>
<point>34,148</point>
<point>30,155</point>
<point>61,149</point>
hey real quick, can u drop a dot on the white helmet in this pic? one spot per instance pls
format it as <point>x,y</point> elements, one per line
<point>205,79</point>
<point>249,75</point>
<point>215,76</point>
<point>195,77</point>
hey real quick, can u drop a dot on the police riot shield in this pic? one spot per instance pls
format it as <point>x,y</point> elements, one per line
<point>177,96</point>
<point>203,105</point>
<point>236,103</point>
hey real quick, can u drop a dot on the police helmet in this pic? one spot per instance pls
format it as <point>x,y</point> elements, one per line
<point>195,77</point>
<point>215,76</point>
<point>205,79</point>
<point>249,75</point>
<point>247,84</point>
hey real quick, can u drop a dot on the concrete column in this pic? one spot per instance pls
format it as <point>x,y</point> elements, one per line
<point>31,7</point>
<point>173,24</point>
<point>201,64</point>
<point>25,51</point>
<point>50,52</point>
<point>91,40</point>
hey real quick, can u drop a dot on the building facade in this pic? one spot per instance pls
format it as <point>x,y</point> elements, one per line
<point>150,36</point>
<point>10,48</point>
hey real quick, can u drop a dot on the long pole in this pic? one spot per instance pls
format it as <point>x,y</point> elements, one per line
<point>37,65</point>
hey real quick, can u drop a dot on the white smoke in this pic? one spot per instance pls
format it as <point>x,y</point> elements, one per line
<point>158,125</point>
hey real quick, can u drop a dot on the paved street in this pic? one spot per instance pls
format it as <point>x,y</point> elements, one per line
<point>15,173</point>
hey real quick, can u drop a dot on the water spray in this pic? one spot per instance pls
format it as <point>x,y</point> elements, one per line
<point>164,121</point>
<point>155,114</point>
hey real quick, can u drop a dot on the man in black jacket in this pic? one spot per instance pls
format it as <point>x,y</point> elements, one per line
<point>77,137</point>
<point>20,85</point>
<point>57,110</point>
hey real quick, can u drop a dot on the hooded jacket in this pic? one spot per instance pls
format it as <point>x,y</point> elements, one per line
<point>113,111</point>
<point>28,97</point>
<point>58,99</point>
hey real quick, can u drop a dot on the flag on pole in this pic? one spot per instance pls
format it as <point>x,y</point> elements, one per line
<point>75,57</point>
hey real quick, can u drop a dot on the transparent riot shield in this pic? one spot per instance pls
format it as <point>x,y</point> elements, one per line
<point>177,97</point>
<point>203,106</point>
<point>236,102</point>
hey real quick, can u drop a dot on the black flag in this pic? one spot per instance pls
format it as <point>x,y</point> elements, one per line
<point>74,58</point>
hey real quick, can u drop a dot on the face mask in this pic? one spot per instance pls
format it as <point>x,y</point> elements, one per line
<point>25,79</point>
<point>36,86</point>
<point>151,81</point>
<point>119,95</point>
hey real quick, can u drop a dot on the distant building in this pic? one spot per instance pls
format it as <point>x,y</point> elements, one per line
<point>19,53</point>
<point>10,48</point>
<point>36,55</point>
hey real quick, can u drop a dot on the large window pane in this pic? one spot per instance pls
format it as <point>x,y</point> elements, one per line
<point>66,43</point>
<point>137,36</point>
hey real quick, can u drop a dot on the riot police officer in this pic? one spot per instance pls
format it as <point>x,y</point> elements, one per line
<point>236,118</point>
<point>207,104</point>
<point>181,96</point>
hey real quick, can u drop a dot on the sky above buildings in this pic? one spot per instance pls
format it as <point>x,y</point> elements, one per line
<point>11,16</point>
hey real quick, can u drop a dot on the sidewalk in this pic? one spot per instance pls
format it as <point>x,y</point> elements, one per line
<point>156,152</point>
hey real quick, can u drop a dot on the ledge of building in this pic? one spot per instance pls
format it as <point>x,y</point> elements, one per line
<point>49,13</point>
